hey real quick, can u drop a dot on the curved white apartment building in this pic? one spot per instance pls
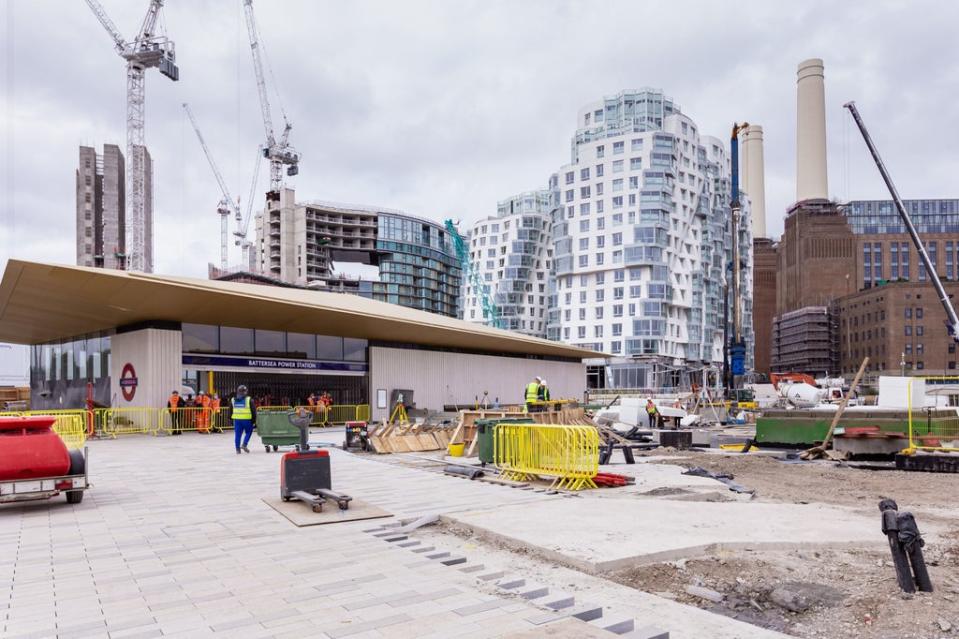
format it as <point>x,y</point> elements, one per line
<point>512,253</point>
<point>641,239</point>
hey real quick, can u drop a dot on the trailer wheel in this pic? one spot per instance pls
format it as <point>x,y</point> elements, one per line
<point>74,496</point>
<point>78,463</point>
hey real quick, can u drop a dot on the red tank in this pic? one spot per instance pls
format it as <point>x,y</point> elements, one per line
<point>29,449</point>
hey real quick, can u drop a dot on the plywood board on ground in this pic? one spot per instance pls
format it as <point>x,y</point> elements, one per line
<point>300,514</point>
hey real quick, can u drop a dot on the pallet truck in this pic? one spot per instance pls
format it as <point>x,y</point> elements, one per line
<point>305,474</point>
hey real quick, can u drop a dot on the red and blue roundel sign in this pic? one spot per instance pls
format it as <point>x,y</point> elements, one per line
<point>128,382</point>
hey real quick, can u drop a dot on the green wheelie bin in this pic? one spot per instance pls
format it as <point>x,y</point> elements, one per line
<point>484,431</point>
<point>275,429</point>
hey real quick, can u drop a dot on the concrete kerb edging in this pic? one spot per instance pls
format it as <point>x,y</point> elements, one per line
<point>604,567</point>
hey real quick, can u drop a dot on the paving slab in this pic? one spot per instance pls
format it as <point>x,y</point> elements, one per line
<point>301,514</point>
<point>600,535</point>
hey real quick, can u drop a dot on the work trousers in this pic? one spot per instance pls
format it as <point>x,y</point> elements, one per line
<point>652,420</point>
<point>242,428</point>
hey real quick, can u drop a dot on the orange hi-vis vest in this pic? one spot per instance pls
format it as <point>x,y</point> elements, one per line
<point>174,402</point>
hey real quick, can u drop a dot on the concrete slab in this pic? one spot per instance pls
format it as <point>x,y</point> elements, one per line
<point>600,535</point>
<point>564,629</point>
<point>300,514</point>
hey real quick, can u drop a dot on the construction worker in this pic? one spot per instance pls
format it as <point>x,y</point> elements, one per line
<point>532,395</point>
<point>651,412</point>
<point>203,414</point>
<point>173,405</point>
<point>215,413</point>
<point>544,394</point>
<point>244,418</point>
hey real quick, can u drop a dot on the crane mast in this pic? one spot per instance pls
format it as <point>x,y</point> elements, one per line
<point>279,153</point>
<point>227,205</point>
<point>146,50</point>
<point>952,321</point>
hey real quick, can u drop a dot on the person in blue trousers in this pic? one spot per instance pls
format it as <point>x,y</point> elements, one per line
<point>244,418</point>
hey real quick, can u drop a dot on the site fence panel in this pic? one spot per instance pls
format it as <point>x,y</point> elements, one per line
<point>171,421</point>
<point>340,414</point>
<point>111,422</point>
<point>933,414</point>
<point>274,408</point>
<point>570,454</point>
<point>362,413</point>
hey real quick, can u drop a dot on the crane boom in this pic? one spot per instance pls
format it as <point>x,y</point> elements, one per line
<point>258,71</point>
<point>951,318</point>
<point>101,14</point>
<point>209,158</point>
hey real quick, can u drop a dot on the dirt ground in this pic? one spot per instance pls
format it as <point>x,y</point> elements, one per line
<point>849,593</point>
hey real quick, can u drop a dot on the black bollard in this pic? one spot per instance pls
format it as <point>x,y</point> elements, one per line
<point>912,543</point>
<point>905,544</point>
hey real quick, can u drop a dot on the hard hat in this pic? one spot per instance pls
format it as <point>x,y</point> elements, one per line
<point>538,378</point>
<point>543,382</point>
<point>241,388</point>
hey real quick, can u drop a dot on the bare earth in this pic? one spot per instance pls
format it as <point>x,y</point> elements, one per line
<point>850,593</point>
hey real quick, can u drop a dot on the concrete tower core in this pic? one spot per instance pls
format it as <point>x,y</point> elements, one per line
<point>811,181</point>
<point>754,181</point>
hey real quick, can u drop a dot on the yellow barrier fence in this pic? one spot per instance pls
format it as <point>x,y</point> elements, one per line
<point>111,422</point>
<point>174,421</point>
<point>570,454</point>
<point>933,415</point>
<point>71,425</point>
<point>336,414</point>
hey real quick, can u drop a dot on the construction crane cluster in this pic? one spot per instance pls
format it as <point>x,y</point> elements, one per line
<point>150,49</point>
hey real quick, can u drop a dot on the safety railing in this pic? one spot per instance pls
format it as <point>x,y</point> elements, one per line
<point>933,416</point>
<point>336,414</point>
<point>112,422</point>
<point>277,408</point>
<point>569,454</point>
<point>71,425</point>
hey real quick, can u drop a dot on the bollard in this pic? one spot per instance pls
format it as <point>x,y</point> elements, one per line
<point>905,544</point>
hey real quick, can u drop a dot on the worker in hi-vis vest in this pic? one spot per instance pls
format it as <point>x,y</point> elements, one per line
<point>532,395</point>
<point>244,417</point>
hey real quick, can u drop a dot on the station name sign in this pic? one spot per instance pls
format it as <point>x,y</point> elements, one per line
<point>305,365</point>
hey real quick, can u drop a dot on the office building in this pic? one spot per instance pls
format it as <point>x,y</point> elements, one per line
<point>641,241</point>
<point>312,244</point>
<point>512,254</point>
<point>101,207</point>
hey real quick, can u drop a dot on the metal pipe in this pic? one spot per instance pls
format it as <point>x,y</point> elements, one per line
<point>900,207</point>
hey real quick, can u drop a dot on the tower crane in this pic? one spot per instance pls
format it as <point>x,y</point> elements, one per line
<point>146,50</point>
<point>243,222</point>
<point>280,152</point>
<point>227,204</point>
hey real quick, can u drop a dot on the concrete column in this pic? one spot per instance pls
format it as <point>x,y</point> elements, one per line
<point>754,180</point>
<point>811,182</point>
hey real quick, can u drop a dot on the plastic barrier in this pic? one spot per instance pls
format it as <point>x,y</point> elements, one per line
<point>568,453</point>
<point>111,422</point>
<point>934,428</point>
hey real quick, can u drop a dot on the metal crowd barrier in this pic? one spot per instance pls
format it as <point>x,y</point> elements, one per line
<point>937,432</point>
<point>72,426</point>
<point>188,418</point>
<point>111,422</point>
<point>336,414</point>
<point>570,454</point>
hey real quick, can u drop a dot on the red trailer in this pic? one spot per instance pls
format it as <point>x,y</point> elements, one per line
<point>36,464</point>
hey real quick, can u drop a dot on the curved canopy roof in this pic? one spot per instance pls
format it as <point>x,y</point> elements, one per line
<point>44,302</point>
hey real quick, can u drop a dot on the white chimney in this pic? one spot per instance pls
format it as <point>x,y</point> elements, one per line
<point>754,180</point>
<point>811,132</point>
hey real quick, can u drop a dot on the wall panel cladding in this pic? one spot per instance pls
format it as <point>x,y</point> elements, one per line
<point>440,378</point>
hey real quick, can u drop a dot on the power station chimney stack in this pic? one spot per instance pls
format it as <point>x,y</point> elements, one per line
<point>754,180</point>
<point>811,181</point>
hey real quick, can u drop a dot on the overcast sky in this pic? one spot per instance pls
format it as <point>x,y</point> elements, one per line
<point>442,108</point>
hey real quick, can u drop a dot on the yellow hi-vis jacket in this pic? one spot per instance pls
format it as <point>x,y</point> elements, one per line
<point>241,408</point>
<point>532,391</point>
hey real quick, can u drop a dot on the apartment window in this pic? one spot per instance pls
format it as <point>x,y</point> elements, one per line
<point>599,188</point>
<point>908,349</point>
<point>618,202</point>
<point>618,166</point>
<point>600,295</point>
<point>617,219</point>
<point>636,144</point>
<point>567,315</point>
<point>633,182</point>
<point>599,312</point>
<point>584,191</point>
<point>617,330</point>
<point>582,313</point>
<point>570,176</point>
<point>599,206</point>
<point>597,331</point>
<point>599,170</point>
<point>919,331</point>
<point>632,199</point>
<point>566,333</point>
<point>581,332</point>
<point>584,226</point>
<point>617,239</point>
<point>894,261</point>
<point>618,147</point>
<point>600,151</point>
<point>876,261</point>
<point>908,312</point>
<point>904,259</point>
<point>583,243</point>
<point>582,297</point>
<point>635,164</point>
<point>86,197</point>
<point>600,259</point>
<point>601,278</point>
<point>920,365</point>
<point>601,241</point>
<point>950,262</point>
<point>618,293</point>
<point>584,208</point>
<point>867,265</point>
<point>618,185</point>
<point>600,224</point>
<point>619,275</point>
<point>570,210</point>
<point>570,194</point>
<point>908,330</point>
<point>584,173</point>
<point>617,347</point>
<point>584,260</point>
<point>617,310</point>
<point>617,257</point>
<point>635,291</point>
<point>918,312</point>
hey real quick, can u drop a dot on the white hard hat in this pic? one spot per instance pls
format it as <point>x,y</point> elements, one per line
<point>543,381</point>
<point>538,378</point>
